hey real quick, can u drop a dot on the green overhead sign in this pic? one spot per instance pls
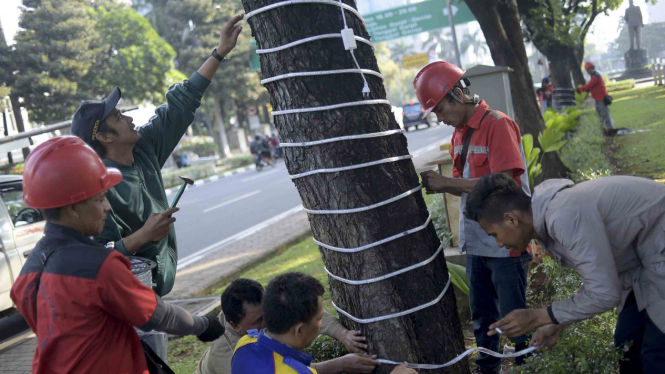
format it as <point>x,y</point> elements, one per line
<point>415,18</point>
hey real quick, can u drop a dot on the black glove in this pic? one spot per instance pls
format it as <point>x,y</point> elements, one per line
<point>214,331</point>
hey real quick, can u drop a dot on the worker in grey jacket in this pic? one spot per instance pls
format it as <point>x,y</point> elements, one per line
<point>611,231</point>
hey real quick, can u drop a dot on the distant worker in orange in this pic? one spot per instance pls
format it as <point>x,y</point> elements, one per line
<point>596,86</point>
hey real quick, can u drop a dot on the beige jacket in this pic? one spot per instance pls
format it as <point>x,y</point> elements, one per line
<point>612,232</point>
<point>217,359</point>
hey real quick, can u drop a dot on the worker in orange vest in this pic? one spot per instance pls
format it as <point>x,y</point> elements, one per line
<point>596,86</point>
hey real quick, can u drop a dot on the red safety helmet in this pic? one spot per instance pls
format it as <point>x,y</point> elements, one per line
<point>588,65</point>
<point>64,171</point>
<point>434,81</point>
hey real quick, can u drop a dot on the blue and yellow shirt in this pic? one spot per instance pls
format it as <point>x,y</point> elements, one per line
<point>257,353</point>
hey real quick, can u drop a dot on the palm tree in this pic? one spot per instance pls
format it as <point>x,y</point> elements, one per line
<point>439,41</point>
<point>475,41</point>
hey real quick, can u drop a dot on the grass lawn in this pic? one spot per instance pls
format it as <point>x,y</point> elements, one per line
<point>641,154</point>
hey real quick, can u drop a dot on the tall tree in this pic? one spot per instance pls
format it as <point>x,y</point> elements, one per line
<point>433,334</point>
<point>500,22</point>
<point>558,29</point>
<point>192,27</point>
<point>70,52</point>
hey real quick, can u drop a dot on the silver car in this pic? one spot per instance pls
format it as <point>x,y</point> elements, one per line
<point>21,227</point>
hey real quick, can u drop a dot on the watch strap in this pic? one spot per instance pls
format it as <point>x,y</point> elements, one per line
<point>217,56</point>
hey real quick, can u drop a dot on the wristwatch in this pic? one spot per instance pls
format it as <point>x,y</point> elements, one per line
<point>216,56</point>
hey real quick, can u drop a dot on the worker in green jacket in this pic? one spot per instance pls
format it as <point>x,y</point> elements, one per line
<point>141,222</point>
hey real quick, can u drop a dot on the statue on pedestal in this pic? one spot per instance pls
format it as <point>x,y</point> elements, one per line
<point>633,19</point>
<point>636,56</point>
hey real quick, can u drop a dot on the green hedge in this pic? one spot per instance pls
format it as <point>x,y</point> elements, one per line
<point>620,86</point>
<point>171,178</point>
<point>203,146</point>
<point>235,162</point>
<point>584,153</point>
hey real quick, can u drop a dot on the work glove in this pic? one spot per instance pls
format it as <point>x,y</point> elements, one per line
<point>578,90</point>
<point>214,331</point>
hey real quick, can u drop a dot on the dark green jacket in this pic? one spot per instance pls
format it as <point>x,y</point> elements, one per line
<point>141,191</point>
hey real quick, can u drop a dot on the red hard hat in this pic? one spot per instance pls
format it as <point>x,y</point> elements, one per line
<point>588,65</point>
<point>64,171</point>
<point>434,81</point>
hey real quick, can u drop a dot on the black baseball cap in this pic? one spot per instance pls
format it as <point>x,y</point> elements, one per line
<point>91,113</point>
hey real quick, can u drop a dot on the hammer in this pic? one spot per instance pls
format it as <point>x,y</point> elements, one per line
<point>185,182</point>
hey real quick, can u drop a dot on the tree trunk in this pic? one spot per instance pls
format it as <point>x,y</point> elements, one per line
<point>4,121</point>
<point>559,70</point>
<point>224,150</point>
<point>575,66</point>
<point>16,108</point>
<point>500,22</point>
<point>432,335</point>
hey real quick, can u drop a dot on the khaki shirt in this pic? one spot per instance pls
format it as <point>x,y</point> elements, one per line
<point>217,359</point>
<point>612,232</point>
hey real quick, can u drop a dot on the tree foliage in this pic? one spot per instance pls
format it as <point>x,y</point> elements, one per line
<point>69,51</point>
<point>192,27</point>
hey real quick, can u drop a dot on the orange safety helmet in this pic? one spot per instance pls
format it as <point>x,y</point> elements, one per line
<point>434,81</point>
<point>588,65</point>
<point>64,171</point>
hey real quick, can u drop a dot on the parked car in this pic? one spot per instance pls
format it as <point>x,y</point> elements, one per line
<point>21,227</point>
<point>412,116</point>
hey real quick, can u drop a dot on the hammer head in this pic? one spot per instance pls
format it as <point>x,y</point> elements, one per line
<point>187,180</point>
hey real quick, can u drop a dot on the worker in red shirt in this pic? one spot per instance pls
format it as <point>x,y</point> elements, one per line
<point>596,85</point>
<point>485,141</point>
<point>80,298</point>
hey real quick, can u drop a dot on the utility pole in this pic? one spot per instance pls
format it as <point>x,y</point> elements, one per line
<point>451,18</point>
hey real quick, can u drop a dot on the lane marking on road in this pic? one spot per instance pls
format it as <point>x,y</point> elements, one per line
<point>231,201</point>
<point>260,175</point>
<point>188,260</point>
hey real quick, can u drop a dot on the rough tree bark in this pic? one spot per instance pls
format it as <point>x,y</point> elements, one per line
<point>500,22</point>
<point>575,66</point>
<point>432,335</point>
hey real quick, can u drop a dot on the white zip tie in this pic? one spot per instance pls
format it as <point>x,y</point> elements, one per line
<point>386,276</point>
<point>340,138</point>
<point>291,2</point>
<point>310,39</point>
<point>329,107</point>
<point>398,314</point>
<point>351,167</point>
<point>460,357</point>
<point>316,73</point>
<point>371,245</point>
<point>365,208</point>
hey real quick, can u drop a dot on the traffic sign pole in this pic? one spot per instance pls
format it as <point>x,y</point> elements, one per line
<point>451,19</point>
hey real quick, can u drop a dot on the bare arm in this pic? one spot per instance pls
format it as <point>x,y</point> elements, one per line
<point>437,183</point>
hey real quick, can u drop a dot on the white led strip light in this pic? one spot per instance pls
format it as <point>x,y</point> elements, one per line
<point>382,241</point>
<point>292,2</point>
<point>310,39</point>
<point>329,107</point>
<point>365,208</point>
<point>317,73</point>
<point>398,314</point>
<point>340,138</point>
<point>386,276</point>
<point>351,167</point>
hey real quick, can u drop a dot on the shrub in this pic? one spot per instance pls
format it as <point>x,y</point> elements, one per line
<point>171,178</point>
<point>235,162</point>
<point>438,210</point>
<point>203,146</point>
<point>17,169</point>
<point>583,153</point>
<point>620,86</point>
<point>325,348</point>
